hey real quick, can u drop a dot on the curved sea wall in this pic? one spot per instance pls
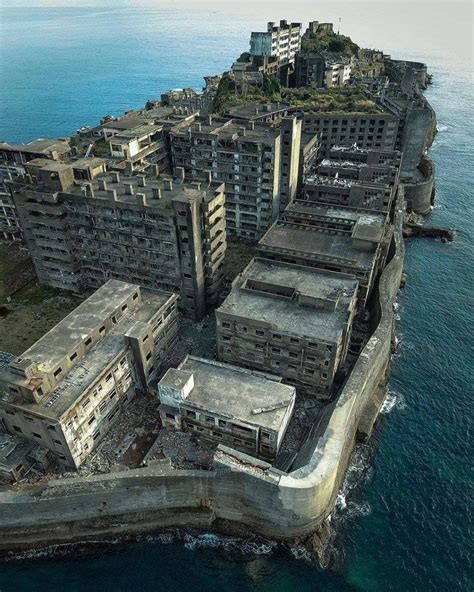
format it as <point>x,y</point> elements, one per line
<point>241,491</point>
<point>419,193</point>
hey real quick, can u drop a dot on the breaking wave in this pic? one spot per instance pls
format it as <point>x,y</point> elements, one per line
<point>393,401</point>
<point>357,473</point>
<point>229,544</point>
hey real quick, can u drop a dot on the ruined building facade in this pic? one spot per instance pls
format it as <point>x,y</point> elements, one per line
<point>67,390</point>
<point>161,234</point>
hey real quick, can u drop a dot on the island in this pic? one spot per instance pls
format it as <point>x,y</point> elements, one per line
<point>213,279</point>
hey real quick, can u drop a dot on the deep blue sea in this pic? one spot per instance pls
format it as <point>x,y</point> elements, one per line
<point>405,510</point>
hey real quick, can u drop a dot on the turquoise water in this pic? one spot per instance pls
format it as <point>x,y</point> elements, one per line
<point>404,513</point>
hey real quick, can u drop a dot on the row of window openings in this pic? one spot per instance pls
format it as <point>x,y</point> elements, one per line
<point>277,336</point>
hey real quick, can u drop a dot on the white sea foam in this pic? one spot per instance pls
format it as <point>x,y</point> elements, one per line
<point>300,552</point>
<point>393,401</point>
<point>358,472</point>
<point>442,128</point>
<point>229,544</point>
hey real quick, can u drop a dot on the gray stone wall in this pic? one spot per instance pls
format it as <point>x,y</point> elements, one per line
<point>241,490</point>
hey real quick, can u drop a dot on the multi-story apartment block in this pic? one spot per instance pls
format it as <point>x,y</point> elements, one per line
<point>291,151</point>
<point>310,69</point>
<point>356,223</point>
<point>309,154</point>
<point>355,177</point>
<point>283,41</point>
<point>68,388</point>
<point>245,156</point>
<point>157,233</point>
<point>140,146</point>
<point>289,320</point>
<point>10,229</point>
<point>348,192</point>
<point>366,130</point>
<point>246,410</point>
<point>337,72</point>
<point>356,253</point>
<point>19,154</point>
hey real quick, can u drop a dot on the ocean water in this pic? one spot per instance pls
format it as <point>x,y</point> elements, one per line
<point>404,513</point>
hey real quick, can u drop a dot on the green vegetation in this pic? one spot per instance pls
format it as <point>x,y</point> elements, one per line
<point>226,97</point>
<point>101,148</point>
<point>347,99</point>
<point>339,44</point>
<point>244,57</point>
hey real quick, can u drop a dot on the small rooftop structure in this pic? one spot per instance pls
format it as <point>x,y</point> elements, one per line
<point>248,409</point>
<point>293,299</point>
<point>289,238</point>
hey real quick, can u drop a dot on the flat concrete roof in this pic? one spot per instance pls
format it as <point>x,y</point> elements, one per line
<point>186,191</point>
<point>73,329</point>
<point>48,165</point>
<point>143,129</point>
<point>288,315</point>
<point>300,240</point>
<point>125,123</point>
<point>85,163</point>
<point>230,129</point>
<point>234,392</point>
<point>91,366</point>
<point>257,109</point>
<point>312,208</point>
<point>41,145</point>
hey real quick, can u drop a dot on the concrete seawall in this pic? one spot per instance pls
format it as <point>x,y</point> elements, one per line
<point>419,193</point>
<point>241,490</point>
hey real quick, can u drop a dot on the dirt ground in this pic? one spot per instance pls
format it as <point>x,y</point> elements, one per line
<point>33,309</point>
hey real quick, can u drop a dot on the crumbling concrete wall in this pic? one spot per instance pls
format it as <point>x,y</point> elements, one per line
<point>241,490</point>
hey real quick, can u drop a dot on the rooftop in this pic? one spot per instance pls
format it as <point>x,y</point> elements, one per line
<point>315,305</point>
<point>304,240</point>
<point>231,129</point>
<point>41,145</point>
<point>125,123</point>
<point>316,179</point>
<point>257,110</point>
<point>73,329</point>
<point>91,366</point>
<point>127,189</point>
<point>236,392</point>
<point>311,208</point>
<point>144,129</point>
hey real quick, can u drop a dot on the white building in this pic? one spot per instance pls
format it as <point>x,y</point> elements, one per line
<point>282,41</point>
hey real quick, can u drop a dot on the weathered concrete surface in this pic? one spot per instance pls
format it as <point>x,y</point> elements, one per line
<point>420,190</point>
<point>239,491</point>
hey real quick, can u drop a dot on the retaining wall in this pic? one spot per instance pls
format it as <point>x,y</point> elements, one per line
<point>241,490</point>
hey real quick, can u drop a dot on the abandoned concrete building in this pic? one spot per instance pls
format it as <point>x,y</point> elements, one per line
<point>357,253</point>
<point>282,41</point>
<point>157,233</point>
<point>355,177</point>
<point>289,320</point>
<point>309,69</point>
<point>140,146</point>
<point>244,156</point>
<point>68,388</point>
<point>10,228</point>
<point>19,456</point>
<point>374,130</point>
<point>246,410</point>
<point>19,154</point>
